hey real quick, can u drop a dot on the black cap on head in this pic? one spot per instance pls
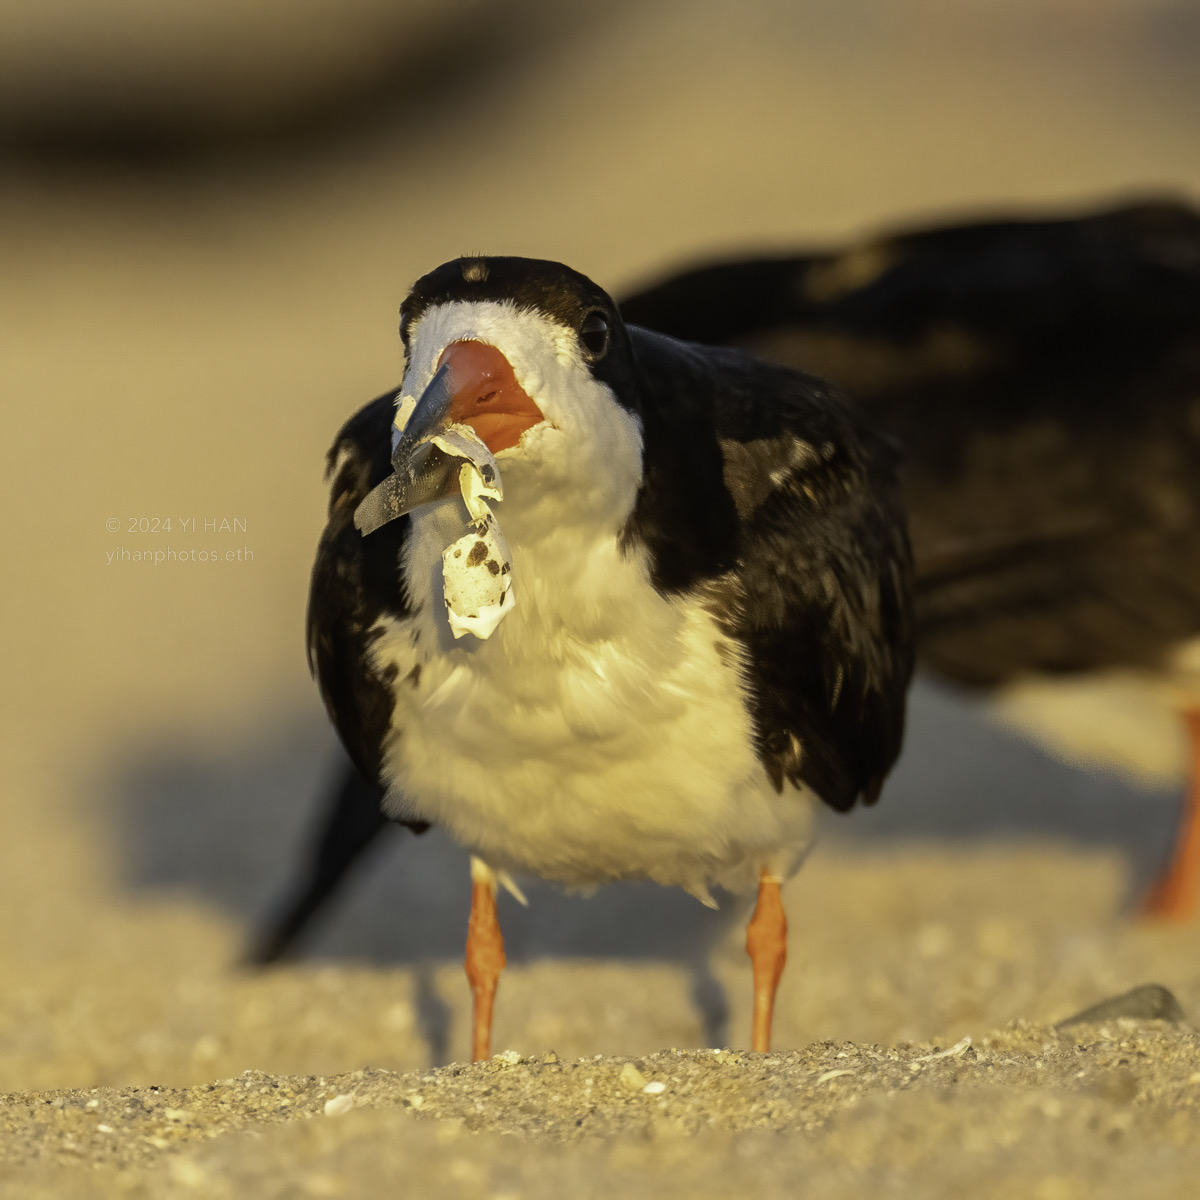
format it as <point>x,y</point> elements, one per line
<point>537,285</point>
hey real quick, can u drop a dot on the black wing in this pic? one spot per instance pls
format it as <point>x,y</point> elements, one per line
<point>355,581</point>
<point>765,492</point>
<point>1044,380</point>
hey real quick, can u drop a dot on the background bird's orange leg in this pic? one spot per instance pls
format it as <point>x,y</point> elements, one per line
<point>766,943</point>
<point>1175,896</point>
<point>485,956</point>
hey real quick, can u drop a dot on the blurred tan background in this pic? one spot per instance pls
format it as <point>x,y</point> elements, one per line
<point>210,215</point>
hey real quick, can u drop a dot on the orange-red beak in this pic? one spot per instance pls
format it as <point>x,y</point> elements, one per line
<point>486,395</point>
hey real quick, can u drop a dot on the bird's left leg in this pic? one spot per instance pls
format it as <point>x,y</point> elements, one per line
<point>485,955</point>
<point>1175,896</point>
<point>766,943</point>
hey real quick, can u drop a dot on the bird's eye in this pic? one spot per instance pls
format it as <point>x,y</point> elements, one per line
<point>593,333</point>
<point>405,322</point>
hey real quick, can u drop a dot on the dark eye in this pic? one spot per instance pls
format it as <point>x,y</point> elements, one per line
<point>593,333</point>
<point>405,322</point>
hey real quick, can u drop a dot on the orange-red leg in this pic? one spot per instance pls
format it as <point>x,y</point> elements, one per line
<point>1175,896</point>
<point>485,956</point>
<point>766,943</point>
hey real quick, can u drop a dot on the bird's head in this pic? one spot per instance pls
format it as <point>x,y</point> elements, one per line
<point>534,358</point>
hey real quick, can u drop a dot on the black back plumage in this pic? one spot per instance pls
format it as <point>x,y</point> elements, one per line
<point>1043,378</point>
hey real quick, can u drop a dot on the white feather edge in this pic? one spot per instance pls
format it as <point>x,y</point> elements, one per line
<point>482,873</point>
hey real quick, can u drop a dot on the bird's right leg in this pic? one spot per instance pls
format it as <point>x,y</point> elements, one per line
<point>766,943</point>
<point>1175,896</point>
<point>485,955</point>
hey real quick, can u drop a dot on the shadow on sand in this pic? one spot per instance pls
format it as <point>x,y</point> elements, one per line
<point>233,830</point>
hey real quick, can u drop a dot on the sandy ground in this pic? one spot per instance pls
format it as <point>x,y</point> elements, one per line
<point>920,1003</point>
<point>180,342</point>
<point>1103,1113</point>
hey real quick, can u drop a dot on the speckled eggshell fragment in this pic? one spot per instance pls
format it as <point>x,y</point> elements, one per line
<point>476,569</point>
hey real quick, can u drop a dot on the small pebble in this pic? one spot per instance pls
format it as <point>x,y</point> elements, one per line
<point>956,1051</point>
<point>655,1088</point>
<point>1150,1002</point>
<point>339,1105</point>
<point>631,1079</point>
<point>832,1075</point>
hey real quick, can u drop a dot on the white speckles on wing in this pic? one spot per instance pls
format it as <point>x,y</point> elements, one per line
<point>837,686</point>
<point>795,750</point>
<point>800,456</point>
<point>803,454</point>
<point>344,454</point>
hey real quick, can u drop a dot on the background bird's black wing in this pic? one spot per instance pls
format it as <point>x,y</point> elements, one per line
<point>1043,378</point>
<point>765,493</point>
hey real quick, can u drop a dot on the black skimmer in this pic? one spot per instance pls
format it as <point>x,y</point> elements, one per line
<point>607,605</point>
<point>1043,377</point>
